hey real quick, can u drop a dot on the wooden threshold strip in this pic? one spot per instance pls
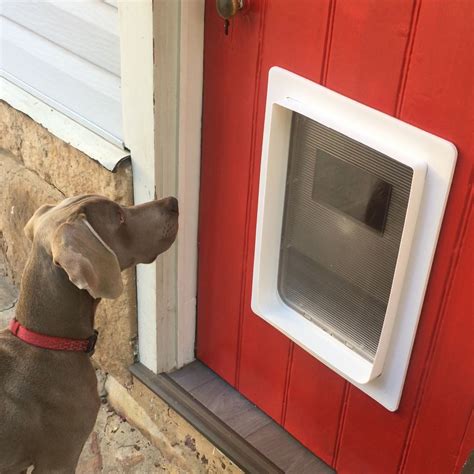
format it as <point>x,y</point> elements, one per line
<point>217,432</point>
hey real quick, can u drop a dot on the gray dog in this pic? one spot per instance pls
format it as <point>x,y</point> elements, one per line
<point>48,389</point>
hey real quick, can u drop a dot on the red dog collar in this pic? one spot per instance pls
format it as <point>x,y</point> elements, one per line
<point>51,342</point>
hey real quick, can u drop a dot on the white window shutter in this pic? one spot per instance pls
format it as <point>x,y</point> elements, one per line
<point>68,55</point>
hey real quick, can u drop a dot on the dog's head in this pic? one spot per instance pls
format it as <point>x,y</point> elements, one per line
<point>93,238</point>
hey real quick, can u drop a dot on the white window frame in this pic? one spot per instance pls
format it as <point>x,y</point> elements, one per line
<point>162,70</point>
<point>432,160</point>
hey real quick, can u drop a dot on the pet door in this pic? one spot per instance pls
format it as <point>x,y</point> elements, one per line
<point>350,205</point>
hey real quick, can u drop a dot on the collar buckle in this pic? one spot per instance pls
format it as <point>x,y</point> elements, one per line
<point>91,342</point>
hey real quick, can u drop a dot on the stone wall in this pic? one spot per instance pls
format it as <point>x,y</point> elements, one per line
<point>38,168</point>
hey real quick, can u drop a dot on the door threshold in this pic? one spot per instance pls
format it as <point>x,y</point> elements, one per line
<point>246,435</point>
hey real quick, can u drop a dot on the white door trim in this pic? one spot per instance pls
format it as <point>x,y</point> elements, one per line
<point>162,103</point>
<point>191,52</point>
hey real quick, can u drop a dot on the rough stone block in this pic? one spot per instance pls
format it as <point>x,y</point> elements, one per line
<point>22,191</point>
<point>58,163</point>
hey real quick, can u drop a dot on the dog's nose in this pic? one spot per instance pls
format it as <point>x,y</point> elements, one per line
<point>171,203</point>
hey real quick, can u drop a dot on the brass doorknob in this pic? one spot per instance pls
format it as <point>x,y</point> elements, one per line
<point>227,9</point>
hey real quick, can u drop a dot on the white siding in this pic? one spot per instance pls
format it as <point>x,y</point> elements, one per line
<point>68,55</point>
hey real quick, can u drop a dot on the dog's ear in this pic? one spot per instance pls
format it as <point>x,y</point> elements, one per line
<point>30,226</point>
<point>89,262</point>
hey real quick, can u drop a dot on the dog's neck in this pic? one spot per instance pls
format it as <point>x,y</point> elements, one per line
<point>49,303</point>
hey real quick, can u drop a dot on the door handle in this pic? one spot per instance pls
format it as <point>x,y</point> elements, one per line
<point>227,9</point>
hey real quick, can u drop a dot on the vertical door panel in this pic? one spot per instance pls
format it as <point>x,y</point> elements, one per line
<point>229,91</point>
<point>294,38</point>
<point>314,404</point>
<point>448,394</point>
<point>437,97</point>
<point>368,47</point>
<point>440,97</point>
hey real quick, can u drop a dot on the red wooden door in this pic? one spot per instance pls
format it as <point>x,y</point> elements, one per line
<point>409,58</point>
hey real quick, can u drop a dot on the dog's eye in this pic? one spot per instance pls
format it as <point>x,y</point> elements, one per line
<point>121,217</point>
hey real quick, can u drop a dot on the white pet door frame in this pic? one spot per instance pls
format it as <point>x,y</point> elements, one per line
<point>350,206</point>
